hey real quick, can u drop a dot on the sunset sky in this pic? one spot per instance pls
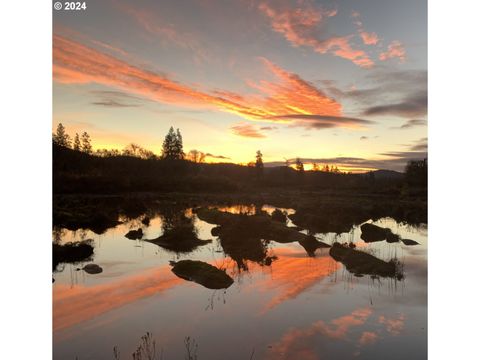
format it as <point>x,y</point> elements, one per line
<point>339,82</point>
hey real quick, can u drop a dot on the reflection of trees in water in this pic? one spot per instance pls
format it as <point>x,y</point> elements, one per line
<point>58,234</point>
<point>179,233</point>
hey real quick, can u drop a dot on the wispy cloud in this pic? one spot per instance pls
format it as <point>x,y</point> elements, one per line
<point>165,31</point>
<point>390,160</point>
<point>113,103</point>
<point>287,99</point>
<point>110,98</point>
<point>304,24</point>
<point>384,87</point>
<point>412,123</point>
<point>209,155</point>
<point>395,50</point>
<point>246,130</point>
<point>413,105</point>
<point>324,121</point>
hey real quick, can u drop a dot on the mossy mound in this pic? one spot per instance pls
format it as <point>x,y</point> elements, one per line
<point>181,239</point>
<point>72,252</point>
<point>361,263</point>
<point>279,215</point>
<point>202,273</point>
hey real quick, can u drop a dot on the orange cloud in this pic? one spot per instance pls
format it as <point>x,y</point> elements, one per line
<point>300,26</point>
<point>74,305</point>
<point>298,341</point>
<point>288,95</point>
<point>395,50</point>
<point>246,130</point>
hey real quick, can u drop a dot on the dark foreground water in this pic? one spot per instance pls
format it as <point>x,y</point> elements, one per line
<point>296,307</point>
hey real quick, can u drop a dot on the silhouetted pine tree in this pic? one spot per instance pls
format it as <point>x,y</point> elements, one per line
<point>173,145</point>
<point>179,145</point>
<point>299,165</point>
<point>86,145</point>
<point>61,137</point>
<point>76,142</point>
<point>259,163</point>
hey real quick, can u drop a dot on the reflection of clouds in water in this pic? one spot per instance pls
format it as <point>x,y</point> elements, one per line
<point>299,342</point>
<point>394,325</point>
<point>78,304</point>
<point>367,338</point>
<point>292,274</point>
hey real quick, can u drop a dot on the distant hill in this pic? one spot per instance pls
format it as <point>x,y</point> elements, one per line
<point>388,174</point>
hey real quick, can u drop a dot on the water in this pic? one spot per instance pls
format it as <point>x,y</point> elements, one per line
<point>299,307</point>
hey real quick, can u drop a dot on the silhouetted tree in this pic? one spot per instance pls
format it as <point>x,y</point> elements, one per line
<point>259,163</point>
<point>86,145</point>
<point>196,156</point>
<point>107,153</point>
<point>138,151</point>
<point>76,142</point>
<point>179,145</point>
<point>416,173</point>
<point>61,137</point>
<point>326,168</point>
<point>173,145</point>
<point>315,167</point>
<point>299,165</point>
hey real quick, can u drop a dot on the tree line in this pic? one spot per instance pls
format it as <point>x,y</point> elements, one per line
<point>172,149</point>
<point>61,138</point>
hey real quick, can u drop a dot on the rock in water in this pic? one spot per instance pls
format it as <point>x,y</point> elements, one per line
<point>202,273</point>
<point>215,231</point>
<point>371,233</point>
<point>92,269</point>
<point>409,242</point>
<point>134,234</point>
<point>391,237</point>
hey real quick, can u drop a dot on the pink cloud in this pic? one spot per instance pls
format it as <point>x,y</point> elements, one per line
<point>395,50</point>
<point>368,38</point>
<point>301,26</point>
